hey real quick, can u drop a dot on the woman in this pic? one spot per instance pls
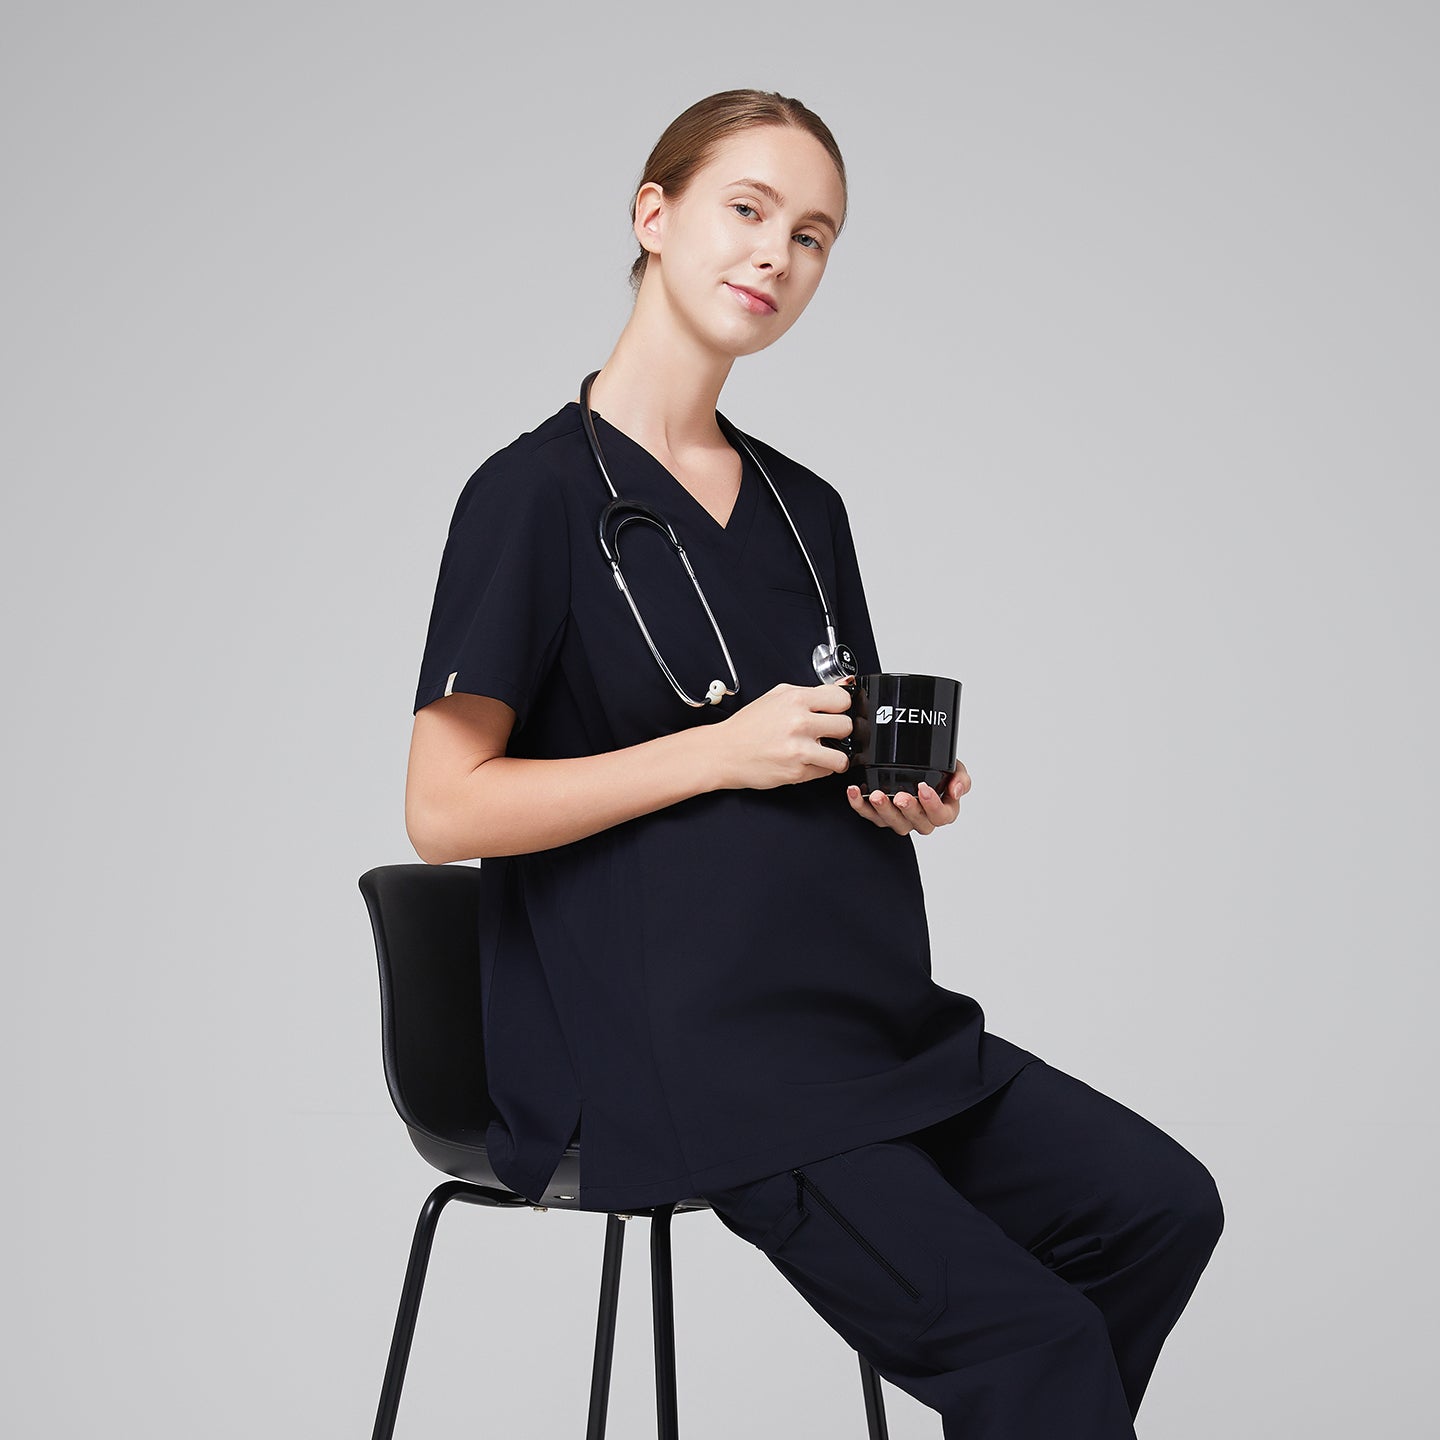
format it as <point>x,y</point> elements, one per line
<point>700,933</point>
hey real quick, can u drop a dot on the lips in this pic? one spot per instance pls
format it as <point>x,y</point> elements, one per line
<point>762,303</point>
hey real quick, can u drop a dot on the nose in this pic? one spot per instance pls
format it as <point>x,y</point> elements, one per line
<point>770,252</point>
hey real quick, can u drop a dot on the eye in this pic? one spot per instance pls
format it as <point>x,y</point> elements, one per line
<point>804,235</point>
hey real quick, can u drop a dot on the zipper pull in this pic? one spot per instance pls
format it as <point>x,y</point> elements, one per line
<point>799,1189</point>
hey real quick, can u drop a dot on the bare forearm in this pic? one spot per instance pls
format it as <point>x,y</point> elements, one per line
<point>512,806</point>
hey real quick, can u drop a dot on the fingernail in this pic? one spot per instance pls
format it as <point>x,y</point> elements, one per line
<point>853,791</point>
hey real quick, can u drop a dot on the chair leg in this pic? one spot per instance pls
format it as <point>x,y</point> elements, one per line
<point>435,1202</point>
<point>662,1291</point>
<point>605,1327</point>
<point>874,1401</point>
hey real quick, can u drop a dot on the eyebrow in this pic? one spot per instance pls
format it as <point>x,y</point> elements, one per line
<point>773,195</point>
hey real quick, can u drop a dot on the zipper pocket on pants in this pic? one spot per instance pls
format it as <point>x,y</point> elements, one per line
<point>803,1183</point>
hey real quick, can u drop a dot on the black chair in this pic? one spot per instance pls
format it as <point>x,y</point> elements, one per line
<point>426,924</point>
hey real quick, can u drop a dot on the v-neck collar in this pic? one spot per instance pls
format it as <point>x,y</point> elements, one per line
<point>737,525</point>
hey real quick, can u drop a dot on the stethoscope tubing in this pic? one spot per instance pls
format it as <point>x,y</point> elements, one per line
<point>824,656</point>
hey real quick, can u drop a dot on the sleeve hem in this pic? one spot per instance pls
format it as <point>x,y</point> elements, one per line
<point>474,682</point>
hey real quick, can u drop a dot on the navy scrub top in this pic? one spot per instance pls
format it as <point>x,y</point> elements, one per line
<point>733,984</point>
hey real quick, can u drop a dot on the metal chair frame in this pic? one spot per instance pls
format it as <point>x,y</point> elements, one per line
<point>428,913</point>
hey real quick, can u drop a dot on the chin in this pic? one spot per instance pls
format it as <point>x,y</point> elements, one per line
<point>744,338</point>
<point>737,345</point>
<point>756,346</point>
<point>732,341</point>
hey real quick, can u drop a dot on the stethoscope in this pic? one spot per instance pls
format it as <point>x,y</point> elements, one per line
<point>833,660</point>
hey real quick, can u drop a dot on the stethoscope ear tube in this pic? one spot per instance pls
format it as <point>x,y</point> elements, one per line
<point>632,510</point>
<point>641,512</point>
<point>832,660</point>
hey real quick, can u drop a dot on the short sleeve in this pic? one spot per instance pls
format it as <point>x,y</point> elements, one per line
<point>852,612</point>
<point>503,593</point>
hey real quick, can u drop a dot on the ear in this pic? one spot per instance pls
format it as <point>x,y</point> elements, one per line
<point>649,216</point>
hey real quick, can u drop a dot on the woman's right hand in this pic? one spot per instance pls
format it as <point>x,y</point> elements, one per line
<point>775,739</point>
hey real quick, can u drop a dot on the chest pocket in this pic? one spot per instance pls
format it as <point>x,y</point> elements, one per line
<point>784,595</point>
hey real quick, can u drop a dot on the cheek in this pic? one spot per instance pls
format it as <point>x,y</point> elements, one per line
<point>709,256</point>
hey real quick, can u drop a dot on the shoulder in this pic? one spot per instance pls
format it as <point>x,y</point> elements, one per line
<point>530,476</point>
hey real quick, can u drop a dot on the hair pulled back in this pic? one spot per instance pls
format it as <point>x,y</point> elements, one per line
<point>692,136</point>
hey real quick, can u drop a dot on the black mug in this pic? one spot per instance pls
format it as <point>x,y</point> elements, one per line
<point>902,731</point>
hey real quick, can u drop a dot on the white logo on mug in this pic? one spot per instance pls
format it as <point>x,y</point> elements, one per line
<point>884,714</point>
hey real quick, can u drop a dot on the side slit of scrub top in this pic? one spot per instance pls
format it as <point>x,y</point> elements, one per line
<point>730,985</point>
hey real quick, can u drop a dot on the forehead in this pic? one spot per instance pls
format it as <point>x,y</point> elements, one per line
<point>791,160</point>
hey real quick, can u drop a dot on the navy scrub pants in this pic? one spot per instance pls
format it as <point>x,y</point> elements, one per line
<point>1015,1267</point>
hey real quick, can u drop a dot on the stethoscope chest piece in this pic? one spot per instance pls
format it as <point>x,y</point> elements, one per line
<point>834,664</point>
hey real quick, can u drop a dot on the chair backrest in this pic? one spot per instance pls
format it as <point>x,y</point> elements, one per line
<point>426,920</point>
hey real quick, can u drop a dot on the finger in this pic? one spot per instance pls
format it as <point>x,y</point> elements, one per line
<point>862,806</point>
<point>831,697</point>
<point>940,809</point>
<point>885,808</point>
<point>959,784</point>
<point>914,812</point>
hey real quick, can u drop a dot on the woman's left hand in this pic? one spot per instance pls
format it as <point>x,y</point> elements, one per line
<point>905,813</point>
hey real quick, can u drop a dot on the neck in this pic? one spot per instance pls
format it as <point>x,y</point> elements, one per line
<point>661,384</point>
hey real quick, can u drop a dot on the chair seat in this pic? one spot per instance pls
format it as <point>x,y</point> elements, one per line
<point>462,1153</point>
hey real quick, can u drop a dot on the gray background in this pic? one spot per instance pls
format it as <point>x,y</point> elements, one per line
<point>1126,367</point>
